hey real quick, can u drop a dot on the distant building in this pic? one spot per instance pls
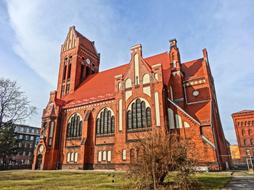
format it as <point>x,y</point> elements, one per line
<point>235,152</point>
<point>27,137</point>
<point>244,129</point>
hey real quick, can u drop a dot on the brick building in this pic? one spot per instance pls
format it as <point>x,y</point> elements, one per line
<point>93,118</point>
<point>244,129</point>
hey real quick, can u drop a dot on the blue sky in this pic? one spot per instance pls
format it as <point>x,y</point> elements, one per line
<point>31,32</point>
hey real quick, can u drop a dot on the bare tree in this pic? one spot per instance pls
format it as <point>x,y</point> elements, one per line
<point>14,108</point>
<point>14,105</point>
<point>157,154</point>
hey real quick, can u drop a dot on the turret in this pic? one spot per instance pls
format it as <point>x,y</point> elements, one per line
<point>176,82</point>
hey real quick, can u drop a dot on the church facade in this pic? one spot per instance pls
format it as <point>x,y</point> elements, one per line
<point>94,117</point>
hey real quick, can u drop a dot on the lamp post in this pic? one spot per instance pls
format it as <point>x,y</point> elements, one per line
<point>251,164</point>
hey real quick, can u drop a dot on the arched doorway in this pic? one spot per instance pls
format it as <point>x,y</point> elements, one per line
<point>38,165</point>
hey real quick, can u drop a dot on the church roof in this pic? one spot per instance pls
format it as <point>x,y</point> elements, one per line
<point>193,69</point>
<point>101,86</point>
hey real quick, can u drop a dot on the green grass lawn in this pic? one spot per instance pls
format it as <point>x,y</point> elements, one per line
<point>28,180</point>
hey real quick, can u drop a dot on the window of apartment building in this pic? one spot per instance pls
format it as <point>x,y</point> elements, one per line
<point>31,138</point>
<point>244,141</point>
<point>20,145</point>
<point>249,131</point>
<point>243,132</point>
<point>32,130</point>
<point>105,123</point>
<point>24,153</point>
<point>247,152</point>
<point>27,137</point>
<point>252,141</point>
<point>20,136</point>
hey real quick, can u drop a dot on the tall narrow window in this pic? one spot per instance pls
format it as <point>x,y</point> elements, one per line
<point>112,124</point>
<point>243,132</point>
<point>64,72</point>
<point>62,90</point>
<point>67,88</point>
<point>148,117</point>
<point>98,126</point>
<point>134,115</point>
<point>69,72</point>
<point>139,116</point>
<point>51,133</point>
<point>105,123</point>
<point>129,119</point>
<point>249,131</point>
<point>143,110</point>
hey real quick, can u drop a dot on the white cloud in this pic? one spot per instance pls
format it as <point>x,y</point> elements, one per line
<point>41,26</point>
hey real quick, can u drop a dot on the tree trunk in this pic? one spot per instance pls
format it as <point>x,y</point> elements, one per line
<point>153,171</point>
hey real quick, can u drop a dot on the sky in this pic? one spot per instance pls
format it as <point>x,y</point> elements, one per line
<point>31,32</point>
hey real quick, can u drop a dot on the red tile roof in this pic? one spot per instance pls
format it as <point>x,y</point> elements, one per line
<point>193,69</point>
<point>101,86</point>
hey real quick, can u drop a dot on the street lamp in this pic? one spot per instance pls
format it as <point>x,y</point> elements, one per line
<point>248,153</point>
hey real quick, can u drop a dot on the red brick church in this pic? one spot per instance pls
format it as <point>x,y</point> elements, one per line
<point>93,118</point>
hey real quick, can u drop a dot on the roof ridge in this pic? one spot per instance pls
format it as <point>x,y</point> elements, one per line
<point>193,60</point>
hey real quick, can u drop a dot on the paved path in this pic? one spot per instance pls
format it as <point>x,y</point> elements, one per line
<point>241,182</point>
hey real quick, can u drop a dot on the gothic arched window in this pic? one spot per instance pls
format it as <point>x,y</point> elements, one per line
<point>105,123</point>
<point>139,115</point>
<point>74,127</point>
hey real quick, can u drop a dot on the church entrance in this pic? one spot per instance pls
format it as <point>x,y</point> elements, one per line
<point>38,165</point>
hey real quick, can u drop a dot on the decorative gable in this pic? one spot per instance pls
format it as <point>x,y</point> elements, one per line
<point>70,41</point>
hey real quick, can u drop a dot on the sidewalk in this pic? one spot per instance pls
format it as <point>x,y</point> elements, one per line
<point>241,182</point>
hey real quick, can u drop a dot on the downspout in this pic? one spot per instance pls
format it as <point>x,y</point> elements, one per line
<point>58,164</point>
